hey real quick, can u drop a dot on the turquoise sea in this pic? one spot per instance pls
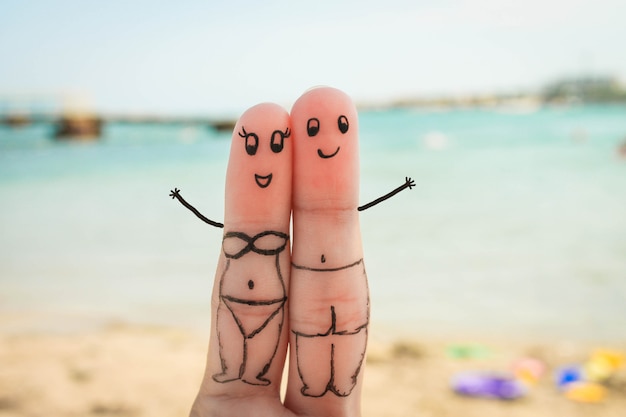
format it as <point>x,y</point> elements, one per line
<point>516,226</point>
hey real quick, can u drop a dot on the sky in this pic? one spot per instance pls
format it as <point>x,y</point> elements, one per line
<point>209,57</point>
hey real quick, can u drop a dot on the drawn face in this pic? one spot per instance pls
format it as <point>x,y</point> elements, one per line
<point>276,144</point>
<point>259,168</point>
<point>313,129</point>
<point>325,131</point>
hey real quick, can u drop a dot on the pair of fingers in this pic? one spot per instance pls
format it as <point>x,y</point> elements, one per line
<point>312,294</point>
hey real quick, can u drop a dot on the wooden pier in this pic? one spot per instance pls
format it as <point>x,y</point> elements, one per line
<point>84,126</point>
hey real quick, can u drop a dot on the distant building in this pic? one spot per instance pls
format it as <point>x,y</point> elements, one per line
<point>585,90</point>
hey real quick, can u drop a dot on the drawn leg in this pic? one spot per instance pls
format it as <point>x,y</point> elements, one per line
<point>231,346</point>
<point>314,356</point>
<point>261,349</point>
<point>348,356</point>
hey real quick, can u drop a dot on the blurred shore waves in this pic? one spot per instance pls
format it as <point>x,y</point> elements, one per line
<point>516,225</point>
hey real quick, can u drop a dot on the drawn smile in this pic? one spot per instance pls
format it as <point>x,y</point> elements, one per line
<point>323,155</point>
<point>263,180</point>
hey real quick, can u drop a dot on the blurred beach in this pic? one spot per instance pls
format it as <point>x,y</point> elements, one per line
<point>514,238</point>
<point>516,225</point>
<point>498,283</point>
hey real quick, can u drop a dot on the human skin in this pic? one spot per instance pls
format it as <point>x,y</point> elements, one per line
<point>329,321</point>
<point>326,218</point>
<point>248,340</point>
<point>328,316</point>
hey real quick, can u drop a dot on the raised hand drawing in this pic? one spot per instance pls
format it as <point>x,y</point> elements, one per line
<point>329,322</point>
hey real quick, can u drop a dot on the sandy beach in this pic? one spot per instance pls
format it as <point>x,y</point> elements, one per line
<point>130,370</point>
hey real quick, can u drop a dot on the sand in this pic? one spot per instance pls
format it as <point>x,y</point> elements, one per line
<point>130,370</point>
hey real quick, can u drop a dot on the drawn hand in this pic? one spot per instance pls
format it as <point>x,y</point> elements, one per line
<point>175,193</point>
<point>409,182</point>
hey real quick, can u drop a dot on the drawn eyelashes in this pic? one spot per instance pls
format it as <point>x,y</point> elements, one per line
<point>313,125</point>
<point>252,141</point>
<point>277,142</point>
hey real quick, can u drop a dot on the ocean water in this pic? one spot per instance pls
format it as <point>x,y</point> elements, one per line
<point>516,226</point>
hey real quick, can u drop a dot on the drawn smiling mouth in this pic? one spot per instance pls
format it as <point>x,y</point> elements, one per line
<point>263,180</point>
<point>323,155</point>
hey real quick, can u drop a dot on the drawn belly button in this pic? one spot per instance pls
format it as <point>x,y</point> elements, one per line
<point>323,259</point>
<point>251,284</point>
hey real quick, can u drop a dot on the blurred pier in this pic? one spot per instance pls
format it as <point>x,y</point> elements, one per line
<point>77,122</point>
<point>90,126</point>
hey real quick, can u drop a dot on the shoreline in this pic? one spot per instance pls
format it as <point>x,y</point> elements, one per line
<point>54,322</point>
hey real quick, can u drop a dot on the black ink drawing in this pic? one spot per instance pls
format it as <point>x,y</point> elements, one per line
<point>332,338</point>
<point>332,322</point>
<point>257,315</point>
<point>277,143</point>
<point>248,320</point>
<point>340,330</point>
<point>250,290</point>
<point>408,183</point>
<point>175,193</point>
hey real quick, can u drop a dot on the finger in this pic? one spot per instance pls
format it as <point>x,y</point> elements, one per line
<point>329,309</point>
<point>249,338</point>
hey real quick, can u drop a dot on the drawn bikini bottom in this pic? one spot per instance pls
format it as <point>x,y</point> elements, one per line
<point>252,316</point>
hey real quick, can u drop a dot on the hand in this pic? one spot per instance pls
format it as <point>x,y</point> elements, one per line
<point>264,298</point>
<point>409,183</point>
<point>175,193</point>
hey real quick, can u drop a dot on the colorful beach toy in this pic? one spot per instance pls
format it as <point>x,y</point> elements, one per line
<point>467,351</point>
<point>602,364</point>
<point>585,392</point>
<point>528,370</point>
<point>488,385</point>
<point>568,375</point>
<point>584,383</point>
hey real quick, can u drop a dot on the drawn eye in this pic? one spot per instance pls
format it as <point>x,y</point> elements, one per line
<point>252,141</point>
<point>278,140</point>
<point>312,127</point>
<point>342,122</point>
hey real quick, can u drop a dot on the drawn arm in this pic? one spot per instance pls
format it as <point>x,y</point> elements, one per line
<point>408,183</point>
<point>176,194</point>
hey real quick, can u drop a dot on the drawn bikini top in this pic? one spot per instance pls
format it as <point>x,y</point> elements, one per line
<point>269,242</point>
